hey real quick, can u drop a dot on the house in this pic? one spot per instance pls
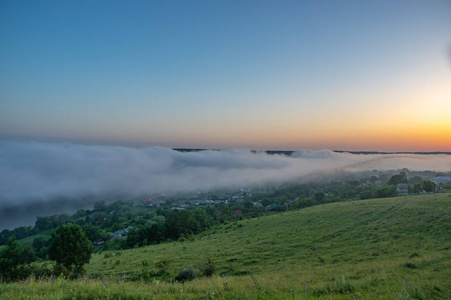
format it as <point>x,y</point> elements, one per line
<point>177,208</point>
<point>98,242</point>
<point>272,206</point>
<point>237,212</point>
<point>441,179</point>
<point>155,203</point>
<point>121,233</point>
<point>403,189</point>
<point>238,198</point>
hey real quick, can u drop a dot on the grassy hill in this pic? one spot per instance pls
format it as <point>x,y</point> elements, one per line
<point>29,240</point>
<point>392,248</point>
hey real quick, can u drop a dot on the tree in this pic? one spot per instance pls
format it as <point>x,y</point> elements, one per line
<point>386,191</point>
<point>91,232</point>
<point>248,204</point>
<point>320,196</point>
<point>10,259</point>
<point>417,188</point>
<point>400,178</point>
<point>156,233</point>
<point>4,236</point>
<point>100,205</point>
<point>70,247</point>
<point>428,186</point>
<point>40,246</point>
<point>368,194</point>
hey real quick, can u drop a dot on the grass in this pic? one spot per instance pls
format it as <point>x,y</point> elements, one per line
<point>29,240</point>
<point>392,248</point>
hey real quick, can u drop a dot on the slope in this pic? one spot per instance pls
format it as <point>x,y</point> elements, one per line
<point>395,245</point>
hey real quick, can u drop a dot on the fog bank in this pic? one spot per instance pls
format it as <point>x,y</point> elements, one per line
<point>43,174</point>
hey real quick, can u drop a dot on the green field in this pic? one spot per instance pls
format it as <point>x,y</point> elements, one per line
<point>29,240</point>
<point>392,248</point>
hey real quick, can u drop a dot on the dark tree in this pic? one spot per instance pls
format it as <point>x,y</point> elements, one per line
<point>428,186</point>
<point>368,194</point>
<point>91,232</point>
<point>386,191</point>
<point>248,204</point>
<point>400,178</point>
<point>10,259</point>
<point>40,246</point>
<point>100,205</point>
<point>417,188</point>
<point>156,233</point>
<point>69,247</point>
<point>4,236</point>
<point>320,196</point>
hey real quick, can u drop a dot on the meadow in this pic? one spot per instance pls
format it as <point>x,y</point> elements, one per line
<point>391,248</point>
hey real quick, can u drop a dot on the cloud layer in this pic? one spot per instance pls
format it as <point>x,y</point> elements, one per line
<point>32,173</point>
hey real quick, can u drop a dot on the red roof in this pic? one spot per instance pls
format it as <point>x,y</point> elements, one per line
<point>238,212</point>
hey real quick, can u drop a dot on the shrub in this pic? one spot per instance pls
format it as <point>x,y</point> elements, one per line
<point>186,274</point>
<point>209,268</point>
<point>366,195</point>
<point>40,270</point>
<point>163,269</point>
<point>410,265</point>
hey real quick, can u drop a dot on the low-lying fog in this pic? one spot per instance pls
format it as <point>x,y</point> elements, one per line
<point>48,178</point>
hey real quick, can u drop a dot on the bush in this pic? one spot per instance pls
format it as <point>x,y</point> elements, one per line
<point>40,270</point>
<point>163,269</point>
<point>366,195</point>
<point>209,268</point>
<point>60,269</point>
<point>186,275</point>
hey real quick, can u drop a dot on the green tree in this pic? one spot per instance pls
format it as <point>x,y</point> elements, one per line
<point>400,178</point>
<point>40,246</point>
<point>417,188</point>
<point>100,205</point>
<point>368,194</point>
<point>91,232</point>
<point>10,259</point>
<point>428,186</point>
<point>386,191</point>
<point>248,204</point>
<point>70,248</point>
<point>415,179</point>
<point>320,196</point>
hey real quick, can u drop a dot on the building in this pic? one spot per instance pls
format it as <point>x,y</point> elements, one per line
<point>403,189</point>
<point>441,179</point>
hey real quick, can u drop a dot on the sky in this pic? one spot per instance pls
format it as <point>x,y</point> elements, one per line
<point>346,75</point>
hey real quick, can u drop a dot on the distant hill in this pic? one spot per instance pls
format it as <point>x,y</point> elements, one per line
<point>377,152</point>
<point>290,152</point>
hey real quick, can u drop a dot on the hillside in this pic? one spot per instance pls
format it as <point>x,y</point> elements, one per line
<point>380,248</point>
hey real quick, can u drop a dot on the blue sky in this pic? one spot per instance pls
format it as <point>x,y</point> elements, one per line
<point>254,74</point>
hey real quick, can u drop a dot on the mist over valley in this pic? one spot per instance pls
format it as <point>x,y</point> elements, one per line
<point>51,178</point>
